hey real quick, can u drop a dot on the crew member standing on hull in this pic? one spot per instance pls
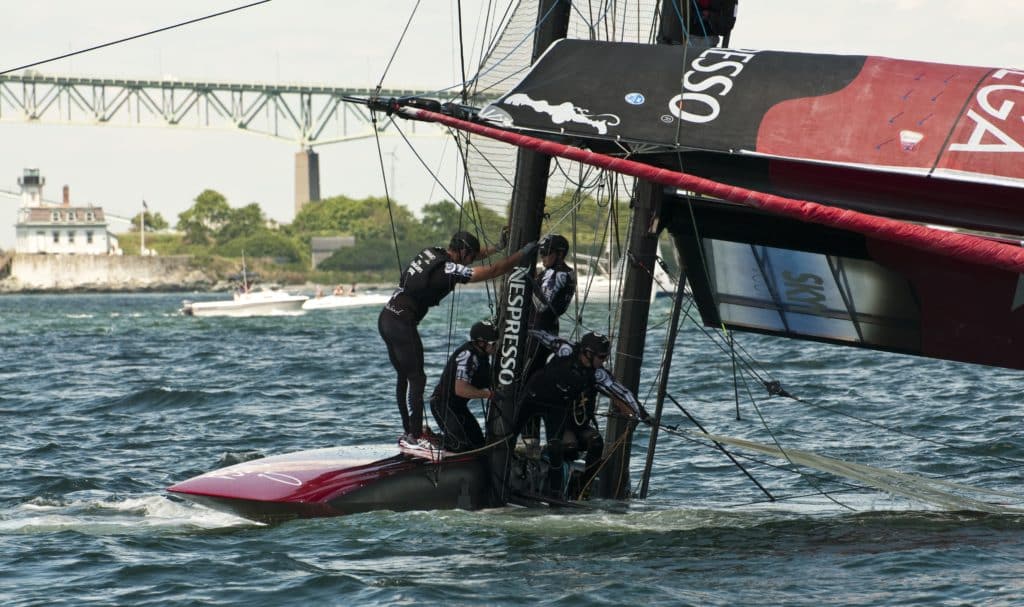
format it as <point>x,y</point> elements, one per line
<point>428,278</point>
<point>466,376</point>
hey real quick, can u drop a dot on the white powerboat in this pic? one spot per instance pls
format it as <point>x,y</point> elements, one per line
<point>330,302</point>
<point>604,287</point>
<point>262,302</point>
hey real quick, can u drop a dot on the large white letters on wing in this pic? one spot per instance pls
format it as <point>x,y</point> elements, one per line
<point>702,94</point>
<point>987,123</point>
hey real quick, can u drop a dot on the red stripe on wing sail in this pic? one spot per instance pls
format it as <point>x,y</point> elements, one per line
<point>965,247</point>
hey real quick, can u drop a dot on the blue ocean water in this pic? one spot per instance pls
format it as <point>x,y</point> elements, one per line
<point>105,400</point>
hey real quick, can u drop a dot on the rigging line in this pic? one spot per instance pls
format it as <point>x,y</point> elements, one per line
<point>462,54</point>
<point>703,259</point>
<point>491,23</point>
<point>568,209</point>
<point>477,221</point>
<point>584,171</point>
<point>618,444</point>
<point>405,30</point>
<point>746,360</point>
<point>387,194</point>
<point>527,37</point>
<point>484,156</point>
<point>500,27</point>
<point>156,31</point>
<point>721,447</point>
<point>433,175</point>
<point>735,380</point>
<point>784,498</point>
<point>808,478</point>
<point>591,23</point>
<point>710,443</point>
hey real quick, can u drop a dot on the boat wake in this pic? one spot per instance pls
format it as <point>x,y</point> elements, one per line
<point>98,514</point>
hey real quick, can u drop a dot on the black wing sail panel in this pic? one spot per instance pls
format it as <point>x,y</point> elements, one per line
<point>633,92</point>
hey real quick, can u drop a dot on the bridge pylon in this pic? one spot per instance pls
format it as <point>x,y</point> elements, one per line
<point>307,178</point>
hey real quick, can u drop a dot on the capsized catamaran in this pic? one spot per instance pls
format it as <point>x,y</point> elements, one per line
<point>798,189</point>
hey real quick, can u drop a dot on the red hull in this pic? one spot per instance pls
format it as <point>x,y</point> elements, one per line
<point>337,481</point>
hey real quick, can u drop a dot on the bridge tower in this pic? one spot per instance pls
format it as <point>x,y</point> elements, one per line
<point>307,178</point>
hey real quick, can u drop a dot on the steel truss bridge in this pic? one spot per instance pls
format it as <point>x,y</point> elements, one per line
<point>304,114</point>
<point>307,115</point>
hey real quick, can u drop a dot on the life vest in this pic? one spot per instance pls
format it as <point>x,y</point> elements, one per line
<point>479,368</point>
<point>424,283</point>
<point>564,383</point>
<point>545,314</point>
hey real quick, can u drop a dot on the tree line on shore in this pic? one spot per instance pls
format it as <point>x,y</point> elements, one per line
<point>386,234</point>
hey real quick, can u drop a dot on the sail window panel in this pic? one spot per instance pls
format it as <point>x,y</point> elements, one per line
<point>811,294</point>
<point>750,316</point>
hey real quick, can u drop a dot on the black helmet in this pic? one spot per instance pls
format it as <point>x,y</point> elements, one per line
<point>553,243</point>
<point>464,241</point>
<point>595,343</point>
<point>484,331</point>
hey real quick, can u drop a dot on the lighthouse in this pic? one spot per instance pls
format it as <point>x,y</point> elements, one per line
<point>59,229</point>
<point>31,183</point>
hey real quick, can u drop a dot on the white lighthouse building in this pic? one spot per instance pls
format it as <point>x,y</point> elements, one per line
<point>59,228</point>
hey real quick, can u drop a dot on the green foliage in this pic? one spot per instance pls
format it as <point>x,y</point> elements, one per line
<point>244,222</point>
<point>211,229</point>
<point>365,219</point>
<point>592,227</point>
<point>200,221</point>
<point>265,244</point>
<point>371,255</point>
<point>162,242</point>
<point>444,218</point>
<point>155,222</point>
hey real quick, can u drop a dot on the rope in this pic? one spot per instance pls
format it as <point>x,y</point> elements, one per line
<point>405,30</point>
<point>149,33</point>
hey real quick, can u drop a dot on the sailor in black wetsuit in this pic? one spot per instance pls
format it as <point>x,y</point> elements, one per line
<point>429,277</point>
<point>564,394</point>
<point>556,286</point>
<point>466,376</point>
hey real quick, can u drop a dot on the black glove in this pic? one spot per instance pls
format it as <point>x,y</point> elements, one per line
<point>503,239</point>
<point>645,417</point>
<point>528,248</point>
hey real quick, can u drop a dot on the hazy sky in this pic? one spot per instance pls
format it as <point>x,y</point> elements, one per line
<point>347,43</point>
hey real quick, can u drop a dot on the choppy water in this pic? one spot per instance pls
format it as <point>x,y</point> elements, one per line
<point>107,399</point>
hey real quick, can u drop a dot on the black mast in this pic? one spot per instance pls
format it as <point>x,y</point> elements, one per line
<point>613,481</point>
<point>515,303</point>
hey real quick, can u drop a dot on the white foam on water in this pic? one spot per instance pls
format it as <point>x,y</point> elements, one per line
<point>115,516</point>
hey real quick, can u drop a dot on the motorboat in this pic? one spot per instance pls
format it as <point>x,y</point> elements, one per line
<point>261,302</point>
<point>330,302</point>
<point>602,287</point>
